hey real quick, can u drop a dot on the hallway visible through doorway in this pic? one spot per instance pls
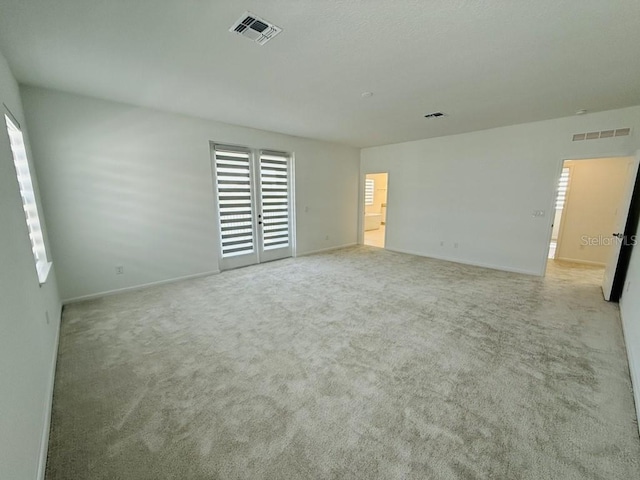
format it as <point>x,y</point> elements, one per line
<point>375,209</point>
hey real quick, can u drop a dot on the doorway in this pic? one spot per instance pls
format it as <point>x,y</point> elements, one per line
<point>253,189</point>
<point>375,209</point>
<point>591,209</point>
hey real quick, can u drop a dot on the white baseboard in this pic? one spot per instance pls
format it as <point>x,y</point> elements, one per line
<point>136,287</point>
<point>48,404</point>
<point>467,262</point>
<point>326,249</point>
<point>583,262</point>
<point>633,371</point>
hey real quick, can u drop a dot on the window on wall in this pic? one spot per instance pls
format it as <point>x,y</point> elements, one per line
<point>28,199</point>
<point>369,187</point>
<point>563,184</point>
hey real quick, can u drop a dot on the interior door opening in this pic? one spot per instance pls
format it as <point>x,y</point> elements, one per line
<point>254,190</point>
<point>591,210</point>
<point>375,209</point>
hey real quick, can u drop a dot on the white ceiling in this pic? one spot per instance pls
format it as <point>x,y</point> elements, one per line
<point>486,63</point>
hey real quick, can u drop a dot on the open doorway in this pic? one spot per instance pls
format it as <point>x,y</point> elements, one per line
<point>375,209</point>
<point>591,209</point>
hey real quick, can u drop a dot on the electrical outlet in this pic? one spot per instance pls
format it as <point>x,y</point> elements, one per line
<point>442,244</point>
<point>455,245</point>
<point>46,316</point>
<point>119,270</point>
<point>326,237</point>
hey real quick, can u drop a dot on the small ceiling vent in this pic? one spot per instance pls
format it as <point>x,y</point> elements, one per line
<point>255,28</point>
<point>620,132</point>
<point>435,115</point>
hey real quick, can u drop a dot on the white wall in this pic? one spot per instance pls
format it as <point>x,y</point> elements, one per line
<point>28,343</point>
<point>479,189</point>
<point>131,186</point>
<point>630,313</point>
<point>596,190</point>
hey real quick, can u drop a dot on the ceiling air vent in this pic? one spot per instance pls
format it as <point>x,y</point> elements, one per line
<point>435,115</point>
<point>255,28</point>
<point>620,132</point>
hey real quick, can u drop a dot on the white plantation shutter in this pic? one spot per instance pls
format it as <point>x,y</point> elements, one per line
<point>369,186</point>
<point>563,184</point>
<point>28,197</point>
<point>274,190</point>
<point>233,182</point>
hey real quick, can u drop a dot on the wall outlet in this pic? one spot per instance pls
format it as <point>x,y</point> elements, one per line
<point>538,213</point>
<point>455,245</point>
<point>326,237</point>
<point>46,316</point>
<point>119,269</point>
<point>441,243</point>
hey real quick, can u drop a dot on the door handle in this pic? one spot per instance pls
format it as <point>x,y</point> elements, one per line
<point>619,235</point>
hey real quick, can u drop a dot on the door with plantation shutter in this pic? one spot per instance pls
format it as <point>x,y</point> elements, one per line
<point>254,215</point>
<point>274,219</point>
<point>236,213</point>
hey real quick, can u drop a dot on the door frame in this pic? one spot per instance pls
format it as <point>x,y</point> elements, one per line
<point>361,206</point>
<point>559,165</point>
<point>254,160</point>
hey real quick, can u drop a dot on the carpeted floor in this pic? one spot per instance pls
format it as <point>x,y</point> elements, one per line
<point>355,364</point>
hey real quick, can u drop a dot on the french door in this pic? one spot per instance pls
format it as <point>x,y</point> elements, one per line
<point>253,189</point>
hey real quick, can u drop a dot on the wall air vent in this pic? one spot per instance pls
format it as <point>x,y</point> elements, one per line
<point>435,115</point>
<point>255,28</point>
<point>620,132</point>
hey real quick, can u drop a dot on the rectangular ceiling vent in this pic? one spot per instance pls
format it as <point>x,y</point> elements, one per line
<point>255,28</point>
<point>435,115</point>
<point>620,132</point>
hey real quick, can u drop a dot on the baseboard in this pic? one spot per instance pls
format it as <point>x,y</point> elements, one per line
<point>583,262</point>
<point>326,249</point>
<point>466,262</point>
<point>133,288</point>
<point>48,405</point>
<point>633,372</point>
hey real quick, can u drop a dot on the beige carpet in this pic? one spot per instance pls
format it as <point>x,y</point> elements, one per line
<point>355,364</point>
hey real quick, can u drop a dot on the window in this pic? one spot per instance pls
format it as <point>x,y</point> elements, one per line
<point>562,188</point>
<point>28,200</point>
<point>368,191</point>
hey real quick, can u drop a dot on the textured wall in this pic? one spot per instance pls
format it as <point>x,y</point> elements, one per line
<point>630,313</point>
